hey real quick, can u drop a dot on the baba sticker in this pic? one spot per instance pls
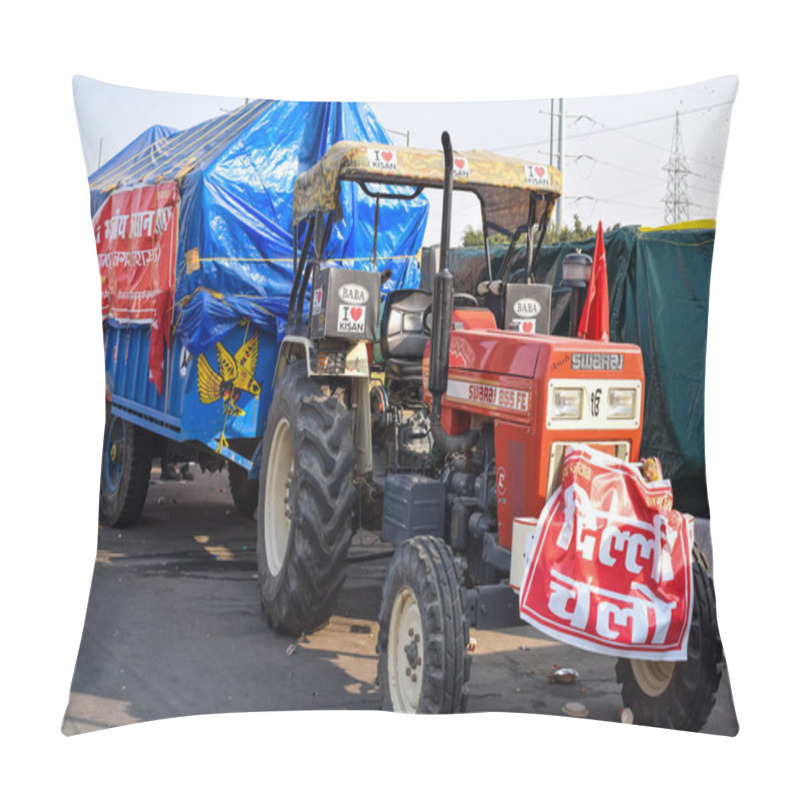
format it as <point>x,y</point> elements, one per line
<point>353,293</point>
<point>527,307</point>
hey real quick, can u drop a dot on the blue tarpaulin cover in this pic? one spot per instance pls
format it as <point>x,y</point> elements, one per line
<point>236,175</point>
<point>118,163</point>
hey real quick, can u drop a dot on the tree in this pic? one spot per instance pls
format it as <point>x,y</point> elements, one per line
<point>576,234</point>
<point>473,237</point>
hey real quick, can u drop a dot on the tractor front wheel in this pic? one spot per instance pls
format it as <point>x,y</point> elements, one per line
<point>423,665</point>
<point>306,501</point>
<point>125,472</point>
<point>679,694</point>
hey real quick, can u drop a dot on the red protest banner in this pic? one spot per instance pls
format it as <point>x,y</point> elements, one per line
<point>609,566</point>
<point>136,237</point>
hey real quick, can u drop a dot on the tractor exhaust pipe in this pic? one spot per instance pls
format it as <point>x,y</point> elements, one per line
<point>443,319</point>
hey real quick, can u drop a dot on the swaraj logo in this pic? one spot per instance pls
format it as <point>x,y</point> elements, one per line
<point>234,377</point>
<point>597,361</point>
<point>536,175</point>
<point>382,159</point>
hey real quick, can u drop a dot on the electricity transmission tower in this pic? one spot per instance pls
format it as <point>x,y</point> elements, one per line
<point>676,203</point>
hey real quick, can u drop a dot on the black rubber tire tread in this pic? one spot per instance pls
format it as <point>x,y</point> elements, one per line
<point>426,566</point>
<point>689,698</point>
<point>243,491</point>
<point>123,507</point>
<point>302,597</point>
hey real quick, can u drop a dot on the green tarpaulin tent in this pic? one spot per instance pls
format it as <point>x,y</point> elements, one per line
<point>658,281</point>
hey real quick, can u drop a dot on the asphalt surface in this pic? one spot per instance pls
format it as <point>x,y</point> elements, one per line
<point>174,628</point>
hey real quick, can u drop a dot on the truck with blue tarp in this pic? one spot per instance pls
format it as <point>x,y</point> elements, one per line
<point>195,244</point>
<point>262,305</point>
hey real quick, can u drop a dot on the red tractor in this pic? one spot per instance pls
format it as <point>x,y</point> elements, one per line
<point>441,418</point>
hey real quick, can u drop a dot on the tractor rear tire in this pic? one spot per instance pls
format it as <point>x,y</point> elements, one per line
<point>306,501</point>
<point>243,491</point>
<point>125,472</point>
<point>679,695</point>
<point>423,664</point>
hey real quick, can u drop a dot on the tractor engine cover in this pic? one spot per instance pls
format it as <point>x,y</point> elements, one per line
<point>541,394</point>
<point>344,304</point>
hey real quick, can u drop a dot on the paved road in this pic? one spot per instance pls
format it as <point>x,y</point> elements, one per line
<point>174,628</point>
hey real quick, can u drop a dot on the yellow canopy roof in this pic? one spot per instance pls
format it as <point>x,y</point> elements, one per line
<point>504,184</point>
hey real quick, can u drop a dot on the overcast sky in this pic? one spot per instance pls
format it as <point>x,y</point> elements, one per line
<point>616,147</point>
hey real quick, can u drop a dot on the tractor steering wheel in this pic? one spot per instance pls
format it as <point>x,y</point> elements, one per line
<point>427,314</point>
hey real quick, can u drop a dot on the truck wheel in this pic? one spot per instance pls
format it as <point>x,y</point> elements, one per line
<point>125,473</point>
<point>679,694</point>
<point>243,490</point>
<point>306,500</point>
<point>423,666</point>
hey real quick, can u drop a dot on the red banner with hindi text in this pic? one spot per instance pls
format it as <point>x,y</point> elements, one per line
<point>608,568</point>
<point>136,237</point>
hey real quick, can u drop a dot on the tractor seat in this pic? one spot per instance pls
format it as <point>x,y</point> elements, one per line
<point>404,332</point>
<point>402,369</point>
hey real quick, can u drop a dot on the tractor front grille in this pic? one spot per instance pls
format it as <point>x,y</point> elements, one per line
<point>619,449</point>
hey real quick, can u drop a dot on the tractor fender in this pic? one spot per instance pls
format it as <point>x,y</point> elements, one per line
<point>295,348</point>
<point>356,372</point>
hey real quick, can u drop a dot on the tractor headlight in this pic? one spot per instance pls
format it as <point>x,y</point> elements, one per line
<point>567,403</point>
<point>621,403</point>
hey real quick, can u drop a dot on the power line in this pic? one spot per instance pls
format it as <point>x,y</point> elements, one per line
<point>661,147</point>
<point>707,191</point>
<point>610,201</point>
<point>677,167</point>
<point>643,174</point>
<point>616,129</point>
<point>615,166</point>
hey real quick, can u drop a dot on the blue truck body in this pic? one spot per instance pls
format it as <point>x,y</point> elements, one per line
<point>234,259</point>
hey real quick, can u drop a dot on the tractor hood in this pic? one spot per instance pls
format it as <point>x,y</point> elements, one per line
<point>502,352</point>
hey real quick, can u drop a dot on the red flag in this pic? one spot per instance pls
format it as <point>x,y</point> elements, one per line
<point>594,320</point>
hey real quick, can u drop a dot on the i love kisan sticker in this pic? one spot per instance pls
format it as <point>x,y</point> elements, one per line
<point>524,325</point>
<point>317,302</point>
<point>351,319</point>
<point>460,167</point>
<point>381,159</point>
<point>536,175</point>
